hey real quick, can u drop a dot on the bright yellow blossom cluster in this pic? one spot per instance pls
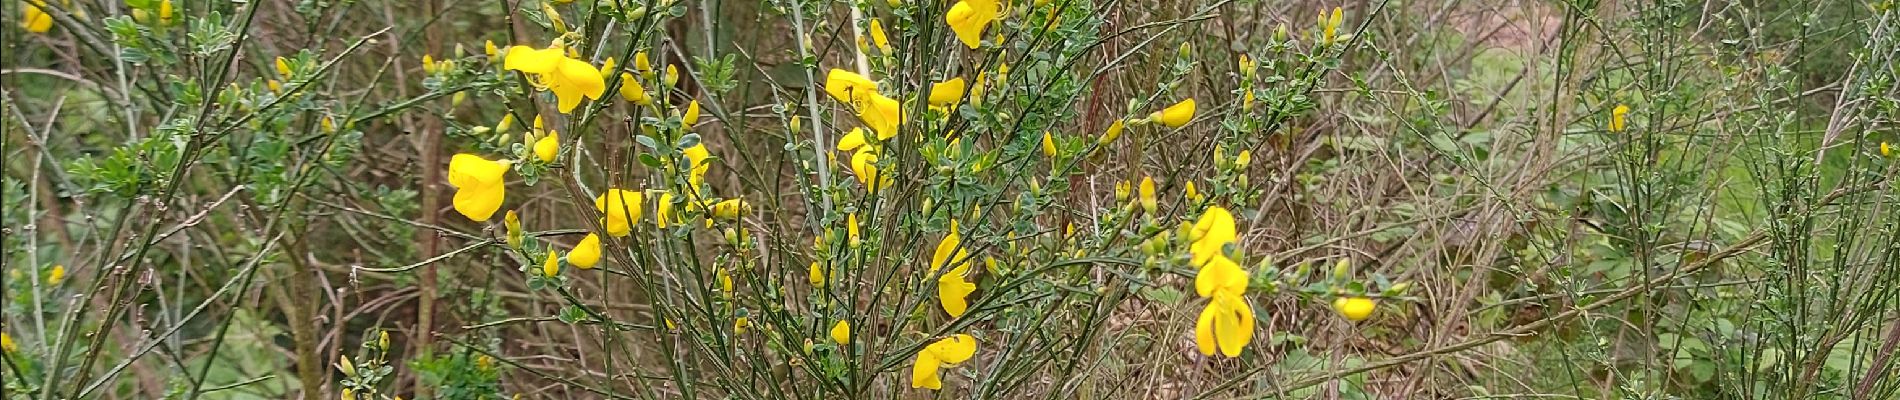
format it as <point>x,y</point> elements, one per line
<point>1227,323</point>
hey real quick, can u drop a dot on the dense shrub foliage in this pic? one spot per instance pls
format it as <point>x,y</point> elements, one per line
<point>994,199</point>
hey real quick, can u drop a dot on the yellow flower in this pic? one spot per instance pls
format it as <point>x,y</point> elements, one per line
<point>631,90</point>
<point>607,68</point>
<point>731,209</point>
<point>851,230</point>
<point>33,19</point>
<point>663,213</point>
<point>7,346</point>
<point>852,141</point>
<point>1221,276</point>
<point>165,12</point>
<point>642,64</point>
<point>1619,117</point>
<point>947,93</point>
<point>479,186</point>
<point>1214,230</point>
<point>570,79</point>
<point>507,122</point>
<point>1175,115</point>
<point>1048,145</point>
<point>969,17</point>
<point>1886,149</point>
<point>724,278</point>
<point>696,156</point>
<point>841,332</point>
<point>1122,191</point>
<point>672,75</point>
<point>587,253</point>
<point>513,222</point>
<point>877,37</point>
<point>1192,194</point>
<point>1330,25</point>
<point>817,275</point>
<point>57,275</point>
<point>622,210</point>
<point>547,147</point>
<point>1241,161</point>
<point>1146,194</point>
<point>950,251</point>
<point>953,291</point>
<point>883,114</point>
<point>283,67</point>
<point>691,117</point>
<point>1355,308</point>
<point>1114,131</point>
<point>552,267</point>
<point>489,49</point>
<point>1227,324</point>
<point>739,325</point>
<point>950,351</point>
<point>864,165</point>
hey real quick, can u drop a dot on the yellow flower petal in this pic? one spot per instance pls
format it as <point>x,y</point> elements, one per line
<point>864,165</point>
<point>1114,131</point>
<point>1212,231</point>
<point>552,267</point>
<point>1145,193</point>
<point>33,19</point>
<point>532,60</point>
<point>663,213</point>
<point>845,85</point>
<point>574,80</point>
<point>852,141</point>
<point>1221,276</point>
<point>1048,145</point>
<point>549,146</point>
<point>968,18</point>
<point>1204,331</point>
<point>469,170</point>
<point>883,114</point>
<point>924,372</point>
<point>479,203</point>
<point>1619,117</point>
<point>587,253</point>
<point>841,332</point>
<point>731,209</point>
<point>1355,308</point>
<point>1233,324</point>
<point>817,275</point>
<point>954,349</point>
<point>953,293</point>
<point>950,252</point>
<point>1175,115</point>
<point>691,116</point>
<point>947,93</point>
<point>878,38</point>
<point>631,90</point>
<point>621,208</point>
